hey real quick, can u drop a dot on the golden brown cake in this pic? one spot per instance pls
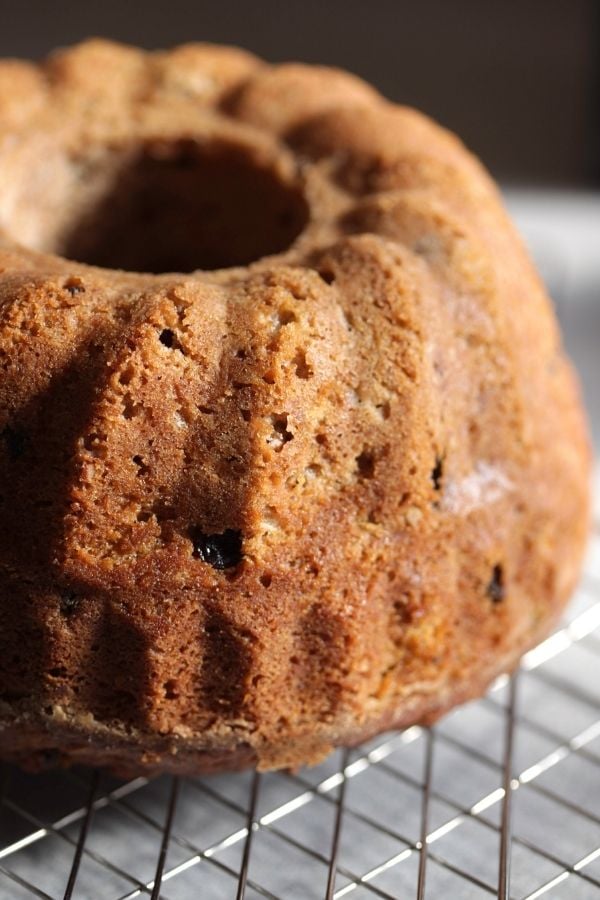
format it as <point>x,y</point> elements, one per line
<point>329,480</point>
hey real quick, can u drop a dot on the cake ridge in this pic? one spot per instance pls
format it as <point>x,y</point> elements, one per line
<point>290,451</point>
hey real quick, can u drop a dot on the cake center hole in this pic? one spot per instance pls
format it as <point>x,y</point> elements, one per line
<point>179,207</point>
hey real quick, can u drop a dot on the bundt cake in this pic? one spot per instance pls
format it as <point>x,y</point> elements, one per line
<point>290,452</point>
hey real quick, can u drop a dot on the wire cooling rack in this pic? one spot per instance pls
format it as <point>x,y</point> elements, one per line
<point>501,799</point>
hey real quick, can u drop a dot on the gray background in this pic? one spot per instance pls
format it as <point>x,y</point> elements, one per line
<point>517,79</point>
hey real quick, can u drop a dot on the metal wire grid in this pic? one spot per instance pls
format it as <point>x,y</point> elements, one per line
<point>502,798</point>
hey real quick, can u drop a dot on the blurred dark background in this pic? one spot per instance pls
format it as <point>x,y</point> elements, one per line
<point>519,80</point>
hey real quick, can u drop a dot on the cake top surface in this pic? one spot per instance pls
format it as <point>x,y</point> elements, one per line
<point>98,137</point>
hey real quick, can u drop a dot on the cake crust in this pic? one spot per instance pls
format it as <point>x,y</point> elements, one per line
<point>290,451</point>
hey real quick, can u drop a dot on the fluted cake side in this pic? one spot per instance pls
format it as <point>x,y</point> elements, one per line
<point>331,479</point>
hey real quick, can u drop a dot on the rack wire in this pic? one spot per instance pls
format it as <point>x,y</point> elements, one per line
<point>500,799</point>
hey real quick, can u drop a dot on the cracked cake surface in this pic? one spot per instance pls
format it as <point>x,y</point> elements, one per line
<point>290,452</point>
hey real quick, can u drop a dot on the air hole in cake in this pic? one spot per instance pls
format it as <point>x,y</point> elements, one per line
<point>170,340</point>
<point>57,672</point>
<point>74,286</point>
<point>130,407</point>
<point>127,375</point>
<point>312,472</point>
<point>303,370</point>
<point>280,434</point>
<point>164,206</point>
<point>94,443</point>
<point>221,551</point>
<point>437,473</point>
<point>384,410</point>
<point>496,588</point>
<point>142,468</point>
<point>69,601</point>
<point>171,690</point>
<point>328,275</point>
<point>365,464</point>
<point>286,317</point>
